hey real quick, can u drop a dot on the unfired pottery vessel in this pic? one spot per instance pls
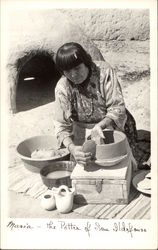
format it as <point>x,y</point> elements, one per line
<point>115,145</point>
<point>48,201</point>
<point>64,200</point>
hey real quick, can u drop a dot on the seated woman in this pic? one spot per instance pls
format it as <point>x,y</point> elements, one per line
<point>88,99</point>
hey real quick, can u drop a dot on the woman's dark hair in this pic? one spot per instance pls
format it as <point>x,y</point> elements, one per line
<point>71,55</point>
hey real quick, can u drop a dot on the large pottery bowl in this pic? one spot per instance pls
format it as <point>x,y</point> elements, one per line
<point>114,150</point>
<point>28,146</point>
<point>57,174</point>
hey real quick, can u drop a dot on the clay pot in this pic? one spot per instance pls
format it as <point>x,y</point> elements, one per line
<point>115,145</point>
<point>48,201</point>
<point>64,200</point>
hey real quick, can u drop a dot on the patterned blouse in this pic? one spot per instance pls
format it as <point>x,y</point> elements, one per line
<point>98,97</point>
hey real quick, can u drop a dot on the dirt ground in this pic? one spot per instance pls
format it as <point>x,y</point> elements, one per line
<point>131,61</point>
<point>21,206</point>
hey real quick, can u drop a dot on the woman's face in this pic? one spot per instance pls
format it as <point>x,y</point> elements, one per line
<point>77,74</point>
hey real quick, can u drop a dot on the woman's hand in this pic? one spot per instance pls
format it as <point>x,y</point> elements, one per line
<point>80,156</point>
<point>97,132</point>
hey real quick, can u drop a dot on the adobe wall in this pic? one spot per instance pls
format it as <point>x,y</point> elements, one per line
<point>112,24</point>
<point>34,32</point>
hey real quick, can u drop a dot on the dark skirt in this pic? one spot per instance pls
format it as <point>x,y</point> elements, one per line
<point>131,131</point>
<point>140,153</point>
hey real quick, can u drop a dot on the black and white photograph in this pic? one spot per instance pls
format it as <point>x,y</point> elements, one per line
<point>78,125</point>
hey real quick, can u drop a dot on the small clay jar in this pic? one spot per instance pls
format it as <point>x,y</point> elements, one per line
<point>48,201</point>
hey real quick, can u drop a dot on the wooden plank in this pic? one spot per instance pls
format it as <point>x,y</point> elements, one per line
<point>21,177</point>
<point>116,172</point>
<point>114,211</point>
<point>119,208</point>
<point>138,209</point>
<point>105,214</point>
<point>24,184</point>
<point>105,208</point>
<point>124,191</point>
<point>14,174</point>
<point>14,182</point>
<point>90,194</point>
<point>129,181</point>
<point>147,209</point>
<point>96,210</point>
<point>93,182</point>
<point>88,183</point>
<point>20,187</point>
<point>88,209</point>
<point>80,209</point>
<point>130,206</point>
<point>40,188</point>
<point>34,189</point>
<point>18,174</point>
<point>147,214</point>
<point>40,191</point>
<point>17,167</point>
<point>20,170</point>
